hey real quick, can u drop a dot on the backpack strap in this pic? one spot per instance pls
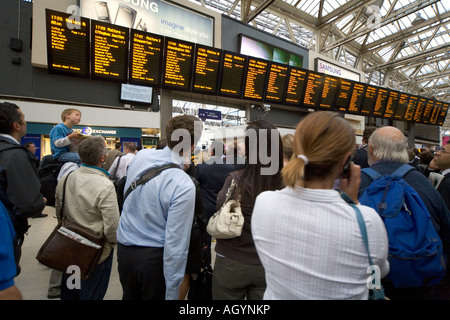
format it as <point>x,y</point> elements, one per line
<point>402,171</point>
<point>374,175</point>
<point>147,176</point>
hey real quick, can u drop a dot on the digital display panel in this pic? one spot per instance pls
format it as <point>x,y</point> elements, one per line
<point>206,69</point>
<point>427,111</point>
<point>296,85</point>
<point>436,111</point>
<point>67,44</point>
<point>313,91</point>
<point>109,51</point>
<point>344,95</point>
<point>178,60</point>
<point>442,114</point>
<point>411,108</point>
<point>370,97</point>
<point>232,75</point>
<point>329,93</point>
<point>357,98</point>
<point>255,79</point>
<point>399,113</point>
<point>276,82</point>
<point>146,58</point>
<point>391,104</point>
<point>380,103</point>
<point>419,109</point>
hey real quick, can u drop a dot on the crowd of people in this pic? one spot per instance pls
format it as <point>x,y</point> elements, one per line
<point>299,194</point>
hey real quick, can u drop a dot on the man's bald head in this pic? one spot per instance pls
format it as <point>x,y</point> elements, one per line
<point>388,144</point>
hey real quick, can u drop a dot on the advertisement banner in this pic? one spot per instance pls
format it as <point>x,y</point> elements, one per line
<point>153,16</point>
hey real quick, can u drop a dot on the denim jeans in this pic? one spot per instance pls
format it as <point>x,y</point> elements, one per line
<point>69,157</point>
<point>93,288</point>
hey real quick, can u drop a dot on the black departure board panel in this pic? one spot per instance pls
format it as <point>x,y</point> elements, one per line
<point>427,111</point>
<point>442,114</point>
<point>109,51</point>
<point>67,44</point>
<point>411,108</point>
<point>313,90</point>
<point>146,58</point>
<point>206,69</point>
<point>370,97</point>
<point>276,82</point>
<point>391,104</point>
<point>403,100</point>
<point>419,109</point>
<point>232,75</point>
<point>344,95</point>
<point>329,93</point>
<point>436,111</point>
<point>380,103</point>
<point>255,79</point>
<point>178,60</point>
<point>296,85</point>
<point>356,98</point>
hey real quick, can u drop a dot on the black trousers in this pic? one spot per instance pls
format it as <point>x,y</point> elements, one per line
<point>141,272</point>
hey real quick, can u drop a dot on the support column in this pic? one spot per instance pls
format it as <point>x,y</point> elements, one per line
<point>165,109</point>
<point>411,135</point>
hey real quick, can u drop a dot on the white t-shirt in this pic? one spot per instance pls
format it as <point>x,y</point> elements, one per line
<point>311,247</point>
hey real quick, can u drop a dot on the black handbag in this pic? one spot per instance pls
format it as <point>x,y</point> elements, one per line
<point>71,244</point>
<point>200,287</point>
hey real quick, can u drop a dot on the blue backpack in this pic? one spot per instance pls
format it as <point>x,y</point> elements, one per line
<point>415,249</point>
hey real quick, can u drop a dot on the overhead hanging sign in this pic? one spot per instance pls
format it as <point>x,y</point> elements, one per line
<point>332,69</point>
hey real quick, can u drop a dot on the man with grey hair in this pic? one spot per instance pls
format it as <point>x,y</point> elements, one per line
<point>91,201</point>
<point>387,151</point>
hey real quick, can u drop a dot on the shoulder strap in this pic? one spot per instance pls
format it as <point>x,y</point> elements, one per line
<point>371,173</point>
<point>61,209</point>
<point>117,166</point>
<point>147,176</point>
<point>402,171</point>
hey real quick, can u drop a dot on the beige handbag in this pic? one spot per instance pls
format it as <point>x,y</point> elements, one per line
<point>228,222</point>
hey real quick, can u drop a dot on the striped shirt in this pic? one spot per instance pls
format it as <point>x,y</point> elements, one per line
<point>311,247</point>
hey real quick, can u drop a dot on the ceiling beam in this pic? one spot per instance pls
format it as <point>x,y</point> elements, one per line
<point>260,8</point>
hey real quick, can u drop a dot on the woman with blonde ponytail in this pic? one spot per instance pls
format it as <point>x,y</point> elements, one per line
<point>307,237</point>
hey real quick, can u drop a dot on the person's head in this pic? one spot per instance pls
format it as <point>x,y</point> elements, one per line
<point>442,157</point>
<point>71,116</point>
<point>367,133</point>
<point>426,157</point>
<point>129,147</point>
<point>288,143</point>
<point>217,148</point>
<point>264,151</point>
<point>12,120</point>
<point>93,151</point>
<point>326,140</point>
<point>388,144</point>
<point>118,146</point>
<point>30,146</point>
<point>183,132</point>
<point>162,143</point>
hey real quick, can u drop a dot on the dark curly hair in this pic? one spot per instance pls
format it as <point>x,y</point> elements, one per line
<point>9,113</point>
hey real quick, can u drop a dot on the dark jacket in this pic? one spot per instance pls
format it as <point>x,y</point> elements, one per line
<point>20,183</point>
<point>439,213</point>
<point>360,157</point>
<point>444,189</point>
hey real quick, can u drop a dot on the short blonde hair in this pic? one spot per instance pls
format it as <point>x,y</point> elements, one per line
<point>67,112</point>
<point>325,138</point>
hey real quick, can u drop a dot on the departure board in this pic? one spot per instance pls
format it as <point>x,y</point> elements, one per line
<point>109,51</point>
<point>232,75</point>
<point>357,98</point>
<point>380,103</point>
<point>178,61</point>
<point>67,44</point>
<point>419,110</point>
<point>296,85</point>
<point>146,58</point>
<point>427,111</point>
<point>344,95</point>
<point>391,104</point>
<point>206,69</point>
<point>399,113</point>
<point>255,79</point>
<point>313,91</point>
<point>276,82</point>
<point>411,108</point>
<point>370,97</point>
<point>436,111</point>
<point>442,114</point>
<point>329,93</point>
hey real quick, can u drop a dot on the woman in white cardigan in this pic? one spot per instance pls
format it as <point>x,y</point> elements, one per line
<point>306,235</point>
